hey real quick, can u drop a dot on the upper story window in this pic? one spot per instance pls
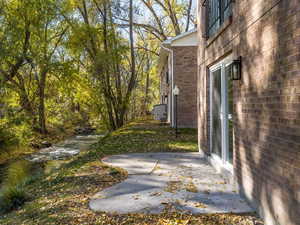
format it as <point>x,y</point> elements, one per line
<point>217,12</point>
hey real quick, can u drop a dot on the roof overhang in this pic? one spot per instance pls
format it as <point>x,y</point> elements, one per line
<point>162,60</point>
<point>185,39</point>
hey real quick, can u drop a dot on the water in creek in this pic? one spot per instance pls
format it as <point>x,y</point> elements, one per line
<point>44,161</point>
<point>64,150</point>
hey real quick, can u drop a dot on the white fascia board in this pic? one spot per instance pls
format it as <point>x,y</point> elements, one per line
<point>186,39</point>
<point>162,60</point>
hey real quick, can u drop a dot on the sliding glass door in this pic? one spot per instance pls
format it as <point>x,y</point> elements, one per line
<point>216,146</point>
<point>221,105</point>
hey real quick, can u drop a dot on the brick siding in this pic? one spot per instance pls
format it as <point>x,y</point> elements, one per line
<point>185,77</point>
<point>266,33</point>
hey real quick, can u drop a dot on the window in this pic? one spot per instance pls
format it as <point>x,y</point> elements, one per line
<point>167,77</point>
<point>217,12</point>
<point>166,99</point>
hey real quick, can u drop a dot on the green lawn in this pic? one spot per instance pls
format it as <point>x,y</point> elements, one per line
<point>62,195</point>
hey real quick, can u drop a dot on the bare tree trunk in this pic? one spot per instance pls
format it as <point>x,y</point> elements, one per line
<point>41,109</point>
<point>167,7</point>
<point>133,75</point>
<point>132,81</point>
<point>18,85</point>
<point>147,92</point>
<point>26,105</point>
<point>149,5</point>
<point>146,100</point>
<point>188,16</point>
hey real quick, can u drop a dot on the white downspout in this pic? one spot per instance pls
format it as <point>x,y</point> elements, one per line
<point>172,82</point>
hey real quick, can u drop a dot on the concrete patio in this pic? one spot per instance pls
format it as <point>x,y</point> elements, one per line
<point>183,180</point>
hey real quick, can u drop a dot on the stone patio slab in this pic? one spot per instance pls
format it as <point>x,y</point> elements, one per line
<point>184,180</point>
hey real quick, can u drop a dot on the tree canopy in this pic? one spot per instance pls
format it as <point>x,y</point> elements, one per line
<point>82,61</point>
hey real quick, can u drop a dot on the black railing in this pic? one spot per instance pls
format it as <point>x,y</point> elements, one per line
<point>217,12</point>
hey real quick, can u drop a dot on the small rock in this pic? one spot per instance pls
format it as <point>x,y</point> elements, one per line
<point>46,144</point>
<point>35,145</point>
<point>84,130</point>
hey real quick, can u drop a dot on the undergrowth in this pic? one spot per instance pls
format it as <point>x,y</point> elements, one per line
<point>13,189</point>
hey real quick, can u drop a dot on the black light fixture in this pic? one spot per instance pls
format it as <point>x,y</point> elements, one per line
<point>236,69</point>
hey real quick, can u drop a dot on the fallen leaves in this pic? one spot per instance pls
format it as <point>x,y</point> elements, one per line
<point>155,194</point>
<point>173,186</point>
<point>63,197</point>
<point>200,205</point>
<point>191,187</point>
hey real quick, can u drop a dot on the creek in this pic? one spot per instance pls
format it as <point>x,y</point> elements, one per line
<point>65,149</point>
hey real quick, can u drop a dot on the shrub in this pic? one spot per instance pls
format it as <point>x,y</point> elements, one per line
<point>6,138</point>
<point>12,197</point>
<point>13,192</point>
<point>15,130</point>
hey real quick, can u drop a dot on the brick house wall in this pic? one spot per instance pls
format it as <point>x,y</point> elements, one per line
<point>266,33</point>
<point>185,77</point>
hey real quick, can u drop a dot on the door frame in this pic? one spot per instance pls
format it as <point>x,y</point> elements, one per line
<point>220,163</point>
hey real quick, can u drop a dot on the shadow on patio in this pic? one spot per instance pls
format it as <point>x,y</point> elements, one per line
<point>157,180</point>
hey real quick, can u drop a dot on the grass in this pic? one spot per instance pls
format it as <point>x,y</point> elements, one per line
<point>62,196</point>
<point>13,193</point>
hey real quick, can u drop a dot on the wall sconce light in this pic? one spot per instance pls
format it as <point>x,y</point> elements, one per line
<point>236,69</point>
<point>176,93</point>
<point>176,90</point>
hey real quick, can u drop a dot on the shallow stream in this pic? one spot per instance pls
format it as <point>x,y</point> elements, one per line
<point>65,149</point>
<point>46,160</point>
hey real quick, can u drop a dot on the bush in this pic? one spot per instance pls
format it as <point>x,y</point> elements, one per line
<point>13,192</point>
<point>6,138</point>
<point>15,130</point>
<point>12,197</point>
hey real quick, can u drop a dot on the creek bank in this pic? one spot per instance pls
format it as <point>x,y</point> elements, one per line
<point>17,174</point>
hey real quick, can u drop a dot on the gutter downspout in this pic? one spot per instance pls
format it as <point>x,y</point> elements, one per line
<point>172,81</point>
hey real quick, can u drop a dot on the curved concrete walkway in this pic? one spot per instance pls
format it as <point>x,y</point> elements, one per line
<point>184,180</point>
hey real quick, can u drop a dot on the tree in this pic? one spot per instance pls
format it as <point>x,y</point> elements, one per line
<point>15,36</point>
<point>113,62</point>
<point>85,59</point>
<point>48,33</point>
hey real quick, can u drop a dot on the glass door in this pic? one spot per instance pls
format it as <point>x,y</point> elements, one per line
<point>221,106</point>
<point>216,113</point>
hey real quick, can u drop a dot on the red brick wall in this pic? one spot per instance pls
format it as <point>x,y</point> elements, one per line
<point>266,33</point>
<point>185,77</point>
